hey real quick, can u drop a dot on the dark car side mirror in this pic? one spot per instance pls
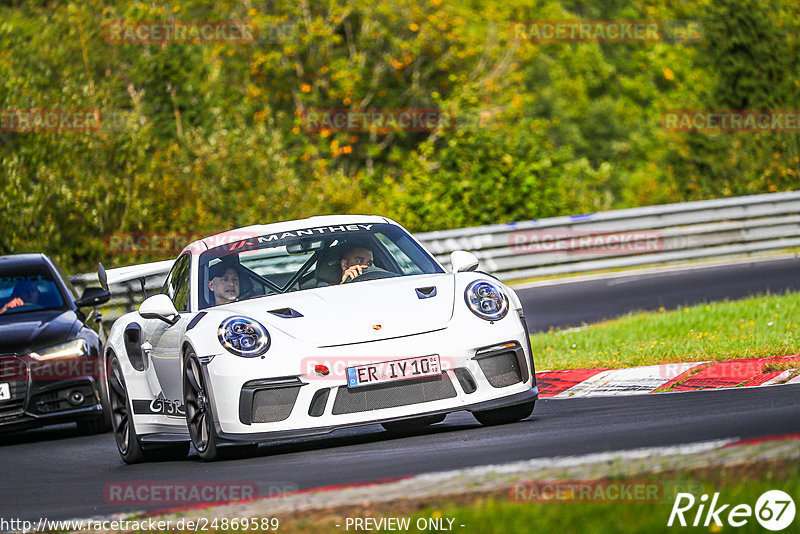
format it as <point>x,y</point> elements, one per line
<point>93,296</point>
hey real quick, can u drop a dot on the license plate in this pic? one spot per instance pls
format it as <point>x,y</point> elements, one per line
<point>373,373</point>
<point>5,392</point>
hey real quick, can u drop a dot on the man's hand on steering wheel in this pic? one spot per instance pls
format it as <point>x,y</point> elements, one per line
<point>15,302</point>
<point>353,272</point>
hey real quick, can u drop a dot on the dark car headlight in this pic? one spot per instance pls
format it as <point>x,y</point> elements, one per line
<point>243,336</point>
<point>487,300</point>
<point>70,349</point>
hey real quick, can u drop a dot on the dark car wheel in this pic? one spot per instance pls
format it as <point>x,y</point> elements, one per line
<point>104,422</point>
<point>502,416</point>
<point>199,418</point>
<point>128,445</point>
<point>93,426</point>
<point>406,425</point>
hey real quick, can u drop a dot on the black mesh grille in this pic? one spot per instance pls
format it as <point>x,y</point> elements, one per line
<point>393,394</point>
<point>502,369</point>
<point>14,372</point>
<point>271,405</point>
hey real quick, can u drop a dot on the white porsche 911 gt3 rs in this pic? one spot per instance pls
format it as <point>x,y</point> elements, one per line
<point>305,327</point>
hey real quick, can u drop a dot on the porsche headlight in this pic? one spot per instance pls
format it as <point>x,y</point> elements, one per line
<point>487,300</point>
<point>243,336</point>
<point>70,349</point>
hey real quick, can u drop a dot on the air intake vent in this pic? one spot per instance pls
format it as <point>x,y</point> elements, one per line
<point>402,393</point>
<point>317,407</point>
<point>286,313</point>
<point>501,369</point>
<point>268,400</point>
<point>426,292</point>
<point>466,380</point>
<point>271,405</point>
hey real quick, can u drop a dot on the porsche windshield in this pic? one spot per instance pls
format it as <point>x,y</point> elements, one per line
<point>28,289</point>
<point>308,258</point>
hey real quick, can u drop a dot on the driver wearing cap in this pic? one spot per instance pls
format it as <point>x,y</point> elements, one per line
<point>224,281</point>
<point>355,261</point>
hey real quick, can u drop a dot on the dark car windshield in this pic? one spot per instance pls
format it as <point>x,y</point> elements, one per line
<point>27,289</point>
<point>306,259</point>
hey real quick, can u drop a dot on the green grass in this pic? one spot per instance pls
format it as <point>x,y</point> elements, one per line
<point>503,514</point>
<point>748,328</point>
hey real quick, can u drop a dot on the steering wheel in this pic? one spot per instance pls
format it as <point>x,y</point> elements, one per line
<point>371,273</point>
<point>30,306</point>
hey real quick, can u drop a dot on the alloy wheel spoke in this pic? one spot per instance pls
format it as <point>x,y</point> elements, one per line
<point>196,417</point>
<point>121,424</point>
<point>203,431</point>
<point>190,375</point>
<point>117,387</point>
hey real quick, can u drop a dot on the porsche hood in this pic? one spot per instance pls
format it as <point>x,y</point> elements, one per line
<point>357,312</point>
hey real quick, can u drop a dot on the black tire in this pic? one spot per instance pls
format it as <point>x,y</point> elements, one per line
<point>502,416</point>
<point>199,417</point>
<point>406,425</point>
<point>170,451</point>
<point>105,423</point>
<point>102,423</point>
<point>237,452</point>
<point>94,426</point>
<point>128,445</point>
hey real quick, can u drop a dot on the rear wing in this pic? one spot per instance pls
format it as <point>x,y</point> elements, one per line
<point>132,272</point>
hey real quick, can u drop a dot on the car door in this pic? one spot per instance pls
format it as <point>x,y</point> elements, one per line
<point>163,339</point>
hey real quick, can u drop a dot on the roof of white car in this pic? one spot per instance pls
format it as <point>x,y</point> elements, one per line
<point>232,236</point>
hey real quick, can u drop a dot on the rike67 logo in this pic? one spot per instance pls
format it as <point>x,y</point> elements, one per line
<point>774,510</point>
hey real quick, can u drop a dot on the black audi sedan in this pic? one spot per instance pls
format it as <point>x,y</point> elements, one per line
<point>50,348</point>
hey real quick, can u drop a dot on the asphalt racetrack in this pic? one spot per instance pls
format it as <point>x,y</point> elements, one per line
<point>572,304</point>
<point>57,474</point>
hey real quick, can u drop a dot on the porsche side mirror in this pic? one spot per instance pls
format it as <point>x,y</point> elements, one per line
<point>159,307</point>
<point>463,261</point>
<point>93,296</point>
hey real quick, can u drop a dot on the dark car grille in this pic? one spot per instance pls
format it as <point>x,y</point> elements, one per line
<point>14,372</point>
<point>393,394</point>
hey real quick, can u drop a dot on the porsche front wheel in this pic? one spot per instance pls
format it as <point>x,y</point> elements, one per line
<point>197,403</point>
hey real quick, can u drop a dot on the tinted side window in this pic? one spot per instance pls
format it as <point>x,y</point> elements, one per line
<point>176,287</point>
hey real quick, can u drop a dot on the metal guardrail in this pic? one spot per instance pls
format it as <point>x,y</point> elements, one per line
<point>621,238</point>
<point>613,239</point>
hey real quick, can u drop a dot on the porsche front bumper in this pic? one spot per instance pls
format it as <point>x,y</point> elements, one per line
<point>281,396</point>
